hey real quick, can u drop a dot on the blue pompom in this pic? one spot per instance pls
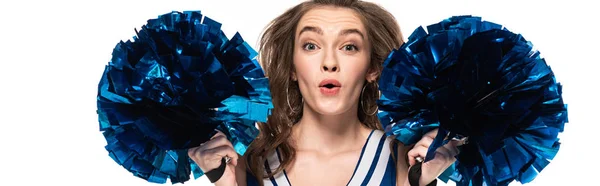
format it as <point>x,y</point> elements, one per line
<point>475,79</point>
<point>168,90</point>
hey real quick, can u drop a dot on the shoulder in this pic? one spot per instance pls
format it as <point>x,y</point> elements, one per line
<point>379,149</point>
<point>244,176</point>
<point>400,156</point>
<point>382,140</point>
<point>398,153</point>
<point>389,141</point>
<point>268,164</point>
<point>376,165</point>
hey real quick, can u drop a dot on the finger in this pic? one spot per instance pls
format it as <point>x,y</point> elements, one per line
<point>217,141</point>
<point>233,159</point>
<point>432,133</point>
<point>220,152</point>
<point>219,133</point>
<point>452,147</point>
<point>442,159</point>
<point>417,151</point>
<point>426,141</point>
<point>421,151</point>
<point>445,152</point>
<point>194,152</point>
<point>231,154</point>
<point>459,142</point>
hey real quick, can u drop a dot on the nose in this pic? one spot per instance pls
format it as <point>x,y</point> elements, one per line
<point>330,68</point>
<point>330,64</point>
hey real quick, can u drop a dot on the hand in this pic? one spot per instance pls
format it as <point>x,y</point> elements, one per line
<point>208,157</point>
<point>444,157</point>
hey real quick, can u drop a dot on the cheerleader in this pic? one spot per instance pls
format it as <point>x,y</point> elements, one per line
<point>323,59</point>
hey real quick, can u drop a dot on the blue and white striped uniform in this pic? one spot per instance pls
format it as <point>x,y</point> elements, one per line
<point>375,165</point>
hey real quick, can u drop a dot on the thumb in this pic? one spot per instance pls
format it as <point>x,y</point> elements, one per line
<point>453,146</point>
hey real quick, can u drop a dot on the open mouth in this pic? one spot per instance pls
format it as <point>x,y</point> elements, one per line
<point>329,86</point>
<point>330,83</point>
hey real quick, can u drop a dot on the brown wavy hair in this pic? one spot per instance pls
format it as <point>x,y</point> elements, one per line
<point>276,50</point>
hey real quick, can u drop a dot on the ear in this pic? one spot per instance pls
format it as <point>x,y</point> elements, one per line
<point>372,75</point>
<point>294,76</point>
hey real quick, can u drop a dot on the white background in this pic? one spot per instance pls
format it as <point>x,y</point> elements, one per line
<point>52,55</point>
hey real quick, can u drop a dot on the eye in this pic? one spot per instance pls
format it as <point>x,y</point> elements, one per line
<point>350,47</point>
<point>309,46</point>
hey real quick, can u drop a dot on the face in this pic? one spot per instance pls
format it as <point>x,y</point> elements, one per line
<point>331,59</point>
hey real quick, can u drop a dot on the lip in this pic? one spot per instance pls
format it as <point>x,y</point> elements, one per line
<point>334,82</point>
<point>330,91</point>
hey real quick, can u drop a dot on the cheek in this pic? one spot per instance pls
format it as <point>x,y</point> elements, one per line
<point>304,67</point>
<point>355,74</point>
<point>356,67</point>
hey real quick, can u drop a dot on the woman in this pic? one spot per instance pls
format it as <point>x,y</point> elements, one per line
<point>323,59</point>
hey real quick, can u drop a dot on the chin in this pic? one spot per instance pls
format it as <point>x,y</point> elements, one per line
<point>330,107</point>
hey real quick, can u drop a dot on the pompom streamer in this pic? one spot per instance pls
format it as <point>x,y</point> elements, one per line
<point>171,88</point>
<point>475,79</point>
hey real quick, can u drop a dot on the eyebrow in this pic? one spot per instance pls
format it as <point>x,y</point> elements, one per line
<point>320,32</point>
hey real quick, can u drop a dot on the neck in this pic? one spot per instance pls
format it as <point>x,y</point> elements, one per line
<point>329,133</point>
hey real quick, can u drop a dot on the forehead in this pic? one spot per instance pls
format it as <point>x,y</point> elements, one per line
<point>331,19</point>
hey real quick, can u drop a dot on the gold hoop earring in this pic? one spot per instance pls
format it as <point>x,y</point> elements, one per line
<point>287,98</point>
<point>362,105</point>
